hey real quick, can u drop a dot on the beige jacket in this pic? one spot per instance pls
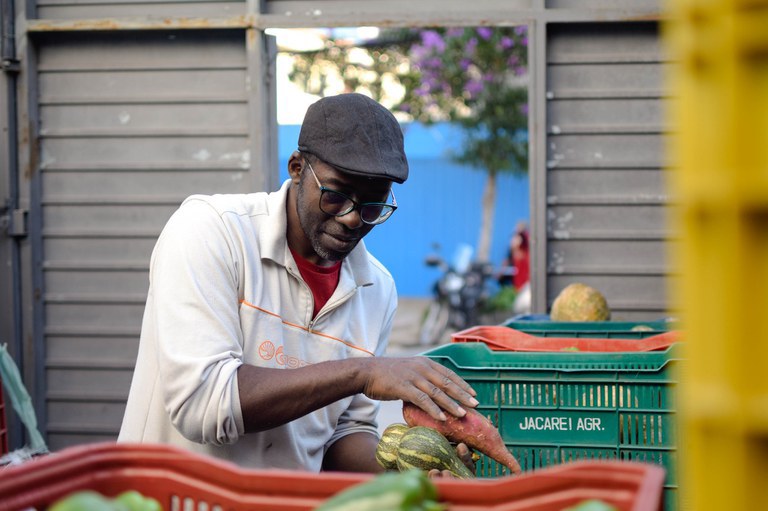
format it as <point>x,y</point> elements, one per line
<point>225,291</point>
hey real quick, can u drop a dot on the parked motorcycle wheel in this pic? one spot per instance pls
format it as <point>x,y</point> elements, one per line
<point>435,323</point>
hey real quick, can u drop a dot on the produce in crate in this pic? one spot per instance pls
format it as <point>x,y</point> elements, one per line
<point>592,505</point>
<point>424,448</point>
<point>393,491</point>
<point>580,302</point>
<point>386,450</point>
<point>86,500</point>
<point>474,430</point>
<point>136,501</point>
<point>89,500</point>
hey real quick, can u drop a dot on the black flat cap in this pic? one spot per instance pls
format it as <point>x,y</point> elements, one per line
<point>355,134</point>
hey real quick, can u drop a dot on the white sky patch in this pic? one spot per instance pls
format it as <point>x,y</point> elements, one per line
<point>292,101</point>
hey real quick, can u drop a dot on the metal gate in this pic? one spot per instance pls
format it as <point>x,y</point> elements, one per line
<point>125,108</point>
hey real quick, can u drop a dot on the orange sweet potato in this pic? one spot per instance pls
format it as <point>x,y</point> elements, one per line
<point>474,430</point>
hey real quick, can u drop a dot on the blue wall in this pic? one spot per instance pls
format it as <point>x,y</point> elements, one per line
<point>439,203</point>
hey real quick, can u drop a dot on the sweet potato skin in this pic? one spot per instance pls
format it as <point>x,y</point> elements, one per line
<point>474,430</point>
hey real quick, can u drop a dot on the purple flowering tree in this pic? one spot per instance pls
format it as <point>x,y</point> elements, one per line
<point>474,77</point>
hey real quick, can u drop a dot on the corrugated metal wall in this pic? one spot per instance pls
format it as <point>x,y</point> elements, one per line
<point>104,9</point>
<point>606,201</point>
<point>130,124</point>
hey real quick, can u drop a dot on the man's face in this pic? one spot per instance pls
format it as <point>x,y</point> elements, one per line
<point>333,237</point>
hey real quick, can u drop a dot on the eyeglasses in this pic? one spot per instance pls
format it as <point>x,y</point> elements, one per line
<point>337,204</point>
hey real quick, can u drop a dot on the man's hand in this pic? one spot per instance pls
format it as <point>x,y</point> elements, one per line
<point>465,455</point>
<point>429,385</point>
<point>271,397</point>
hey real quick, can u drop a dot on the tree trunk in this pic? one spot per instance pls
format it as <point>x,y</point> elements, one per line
<point>486,224</point>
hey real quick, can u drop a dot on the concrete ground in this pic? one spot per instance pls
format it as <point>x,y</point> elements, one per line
<point>403,342</point>
<point>405,330</point>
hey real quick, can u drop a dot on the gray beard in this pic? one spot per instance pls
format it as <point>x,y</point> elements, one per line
<point>311,234</point>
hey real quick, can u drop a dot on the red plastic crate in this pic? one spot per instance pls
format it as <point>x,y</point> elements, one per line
<point>504,338</point>
<point>184,481</point>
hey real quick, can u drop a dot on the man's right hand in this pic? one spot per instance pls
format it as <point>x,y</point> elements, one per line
<point>421,381</point>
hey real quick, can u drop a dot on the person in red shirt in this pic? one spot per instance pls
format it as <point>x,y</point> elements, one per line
<point>520,252</point>
<point>516,270</point>
<point>516,266</point>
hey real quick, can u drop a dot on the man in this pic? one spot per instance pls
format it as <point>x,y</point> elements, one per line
<point>266,317</point>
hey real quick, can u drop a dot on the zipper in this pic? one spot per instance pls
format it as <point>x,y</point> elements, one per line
<point>329,307</point>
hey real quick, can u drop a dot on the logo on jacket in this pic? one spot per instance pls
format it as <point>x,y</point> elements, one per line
<point>267,351</point>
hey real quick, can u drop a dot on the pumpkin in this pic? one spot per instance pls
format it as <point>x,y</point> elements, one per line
<point>426,449</point>
<point>386,450</point>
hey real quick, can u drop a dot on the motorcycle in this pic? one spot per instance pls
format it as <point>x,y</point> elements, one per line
<point>458,295</point>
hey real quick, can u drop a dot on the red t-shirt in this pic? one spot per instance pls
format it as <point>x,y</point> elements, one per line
<point>322,280</point>
<point>523,273</point>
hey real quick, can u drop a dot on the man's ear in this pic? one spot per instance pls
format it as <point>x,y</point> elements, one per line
<point>294,167</point>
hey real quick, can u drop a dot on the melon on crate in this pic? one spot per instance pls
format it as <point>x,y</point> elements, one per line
<point>580,302</point>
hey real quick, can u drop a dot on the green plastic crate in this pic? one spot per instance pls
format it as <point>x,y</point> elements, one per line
<point>556,407</point>
<point>594,329</point>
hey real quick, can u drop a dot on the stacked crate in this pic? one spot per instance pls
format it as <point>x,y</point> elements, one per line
<point>557,395</point>
<point>180,480</point>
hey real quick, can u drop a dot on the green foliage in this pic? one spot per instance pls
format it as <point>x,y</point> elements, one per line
<point>469,76</point>
<point>503,300</point>
<point>362,67</point>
